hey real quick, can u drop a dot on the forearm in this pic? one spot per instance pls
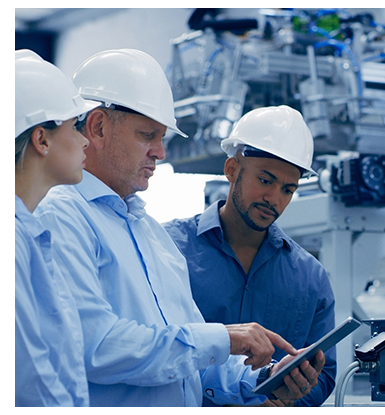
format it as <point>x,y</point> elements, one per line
<point>154,356</point>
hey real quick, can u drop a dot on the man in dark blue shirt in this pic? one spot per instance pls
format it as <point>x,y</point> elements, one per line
<point>242,266</point>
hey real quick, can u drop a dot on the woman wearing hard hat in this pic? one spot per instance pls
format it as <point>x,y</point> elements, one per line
<point>49,367</point>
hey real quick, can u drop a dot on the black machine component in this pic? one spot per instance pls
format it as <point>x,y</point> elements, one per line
<point>360,180</point>
<point>204,18</point>
<point>372,358</point>
<point>372,348</point>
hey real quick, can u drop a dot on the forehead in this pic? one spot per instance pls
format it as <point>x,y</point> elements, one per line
<point>281,169</point>
<point>143,122</point>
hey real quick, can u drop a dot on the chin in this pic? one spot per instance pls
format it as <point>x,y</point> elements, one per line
<point>142,186</point>
<point>80,176</point>
<point>77,178</point>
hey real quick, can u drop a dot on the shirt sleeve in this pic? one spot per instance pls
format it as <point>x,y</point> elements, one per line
<point>231,384</point>
<point>118,350</point>
<point>36,382</point>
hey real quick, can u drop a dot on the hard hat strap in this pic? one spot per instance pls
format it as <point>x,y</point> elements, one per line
<point>123,109</point>
<point>254,152</point>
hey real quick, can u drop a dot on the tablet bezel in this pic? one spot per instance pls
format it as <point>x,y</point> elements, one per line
<point>324,344</point>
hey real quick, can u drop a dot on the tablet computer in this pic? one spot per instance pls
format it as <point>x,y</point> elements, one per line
<point>324,344</point>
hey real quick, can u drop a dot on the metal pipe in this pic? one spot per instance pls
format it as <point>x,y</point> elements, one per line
<point>343,382</point>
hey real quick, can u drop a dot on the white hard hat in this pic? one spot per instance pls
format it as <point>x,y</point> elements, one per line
<point>280,131</point>
<point>129,78</point>
<point>44,93</point>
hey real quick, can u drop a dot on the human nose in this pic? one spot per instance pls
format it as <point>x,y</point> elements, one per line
<point>157,151</point>
<point>86,142</point>
<point>271,196</point>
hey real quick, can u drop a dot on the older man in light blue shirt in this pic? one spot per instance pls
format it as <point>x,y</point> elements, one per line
<point>146,343</point>
<point>145,339</point>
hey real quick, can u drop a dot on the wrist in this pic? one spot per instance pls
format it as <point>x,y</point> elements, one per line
<point>264,374</point>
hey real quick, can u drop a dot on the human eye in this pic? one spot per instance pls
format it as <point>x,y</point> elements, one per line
<point>288,190</point>
<point>145,134</point>
<point>264,181</point>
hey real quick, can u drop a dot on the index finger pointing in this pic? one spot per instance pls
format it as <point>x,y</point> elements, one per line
<point>277,340</point>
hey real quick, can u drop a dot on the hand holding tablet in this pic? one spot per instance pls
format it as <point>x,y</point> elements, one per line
<point>324,344</point>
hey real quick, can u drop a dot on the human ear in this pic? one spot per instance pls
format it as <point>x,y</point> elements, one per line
<point>96,128</point>
<point>40,140</point>
<point>231,168</point>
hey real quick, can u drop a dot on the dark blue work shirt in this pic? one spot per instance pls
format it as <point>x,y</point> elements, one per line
<point>287,290</point>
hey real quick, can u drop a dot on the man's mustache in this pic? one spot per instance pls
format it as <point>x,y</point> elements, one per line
<point>267,206</point>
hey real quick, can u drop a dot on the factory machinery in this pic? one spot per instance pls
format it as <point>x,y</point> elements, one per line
<point>330,65</point>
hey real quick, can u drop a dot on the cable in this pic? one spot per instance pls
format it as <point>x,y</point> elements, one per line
<point>343,382</point>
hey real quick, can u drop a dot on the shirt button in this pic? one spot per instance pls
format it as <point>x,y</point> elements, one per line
<point>212,361</point>
<point>247,288</point>
<point>171,377</point>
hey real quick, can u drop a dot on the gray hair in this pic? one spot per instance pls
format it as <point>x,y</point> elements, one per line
<point>113,113</point>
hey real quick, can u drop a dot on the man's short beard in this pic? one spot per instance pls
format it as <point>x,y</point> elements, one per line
<point>237,201</point>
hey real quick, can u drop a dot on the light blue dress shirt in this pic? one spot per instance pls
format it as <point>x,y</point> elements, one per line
<point>49,354</point>
<point>146,343</point>
<point>286,290</point>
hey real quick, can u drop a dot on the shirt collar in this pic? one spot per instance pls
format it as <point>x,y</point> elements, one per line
<point>209,220</point>
<point>135,206</point>
<point>27,219</point>
<point>278,238</point>
<point>92,188</point>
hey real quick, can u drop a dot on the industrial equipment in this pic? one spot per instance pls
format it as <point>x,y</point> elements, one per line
<point>360,180</point>
<point>328,64</point>
<point>369,358</point>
